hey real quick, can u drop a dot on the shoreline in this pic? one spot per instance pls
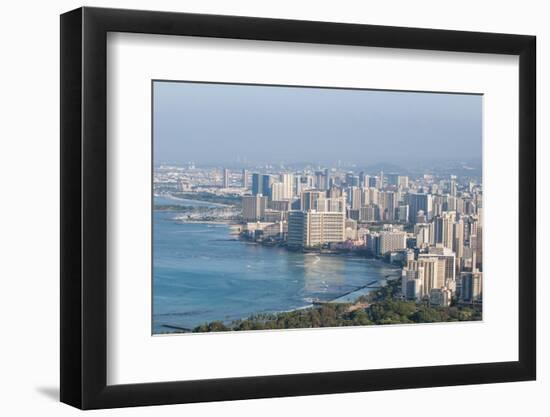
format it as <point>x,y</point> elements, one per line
<point>229,223</point>
<point>348,254</point>
<point>389,273</point>
<point>317,252</point>
<point>311,305</point>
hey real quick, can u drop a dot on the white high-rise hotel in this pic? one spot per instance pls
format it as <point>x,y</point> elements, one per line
<point>282,190</point>
<point>315,228</point>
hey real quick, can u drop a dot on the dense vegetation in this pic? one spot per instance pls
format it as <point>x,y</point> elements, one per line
<point>380,307</point>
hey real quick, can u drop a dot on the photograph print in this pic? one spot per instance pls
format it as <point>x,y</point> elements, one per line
<point>299,207</point>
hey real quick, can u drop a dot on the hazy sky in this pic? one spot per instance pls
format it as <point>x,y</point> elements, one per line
<point>224,124</point>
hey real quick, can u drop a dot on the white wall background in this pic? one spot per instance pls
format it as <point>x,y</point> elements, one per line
<point>29,219</point>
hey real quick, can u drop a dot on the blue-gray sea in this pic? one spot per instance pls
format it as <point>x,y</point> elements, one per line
<point>201,273</point>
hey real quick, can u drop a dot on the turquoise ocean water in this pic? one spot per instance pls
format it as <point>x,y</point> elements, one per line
<point>203,273</point>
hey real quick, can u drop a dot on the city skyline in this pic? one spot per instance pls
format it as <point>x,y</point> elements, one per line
<point>251,124</point>
<point>429,226</point>
<point>336,207</point>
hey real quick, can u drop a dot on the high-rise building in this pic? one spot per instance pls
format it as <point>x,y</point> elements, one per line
<point>313,200</point>
<point>424,234</point>
<point>334,192</point>
<point>387,202</point>
<point>363,179</point>
<point>351,229</point>
<point>225,178</point>
<point>283,205</point>
<point>308,182</point>
<point>459,205</point>
<point>328,181</point>
<point>399,181</point>
<point>444,229</point>
<point>433,274</point>
<point>458,238</point>
<point>449,203</point>
<point>418,202</point>
<point>449,260</point>
<point>273,216</point>
<point>356,197</point>
<point>313,228</point>
<point>411,283</point>
<point>452,186</point>
<point>403,213</point>
<point>261,184</point>
<point>287,189</point>
<point>420,217</point>
<point>390,241</point>
<point>437,205</point>
<point>479,243</point>
<point>472,284</point>
<point>253,207</point>
<point>392,178</point>
<point>277,191</point>
<point>352,180</point>
<point>336,204</point>
<point>369,213</point>
<point>374,182</point>
<point>245,179</point>
<point>370,196</point>
<point>371,243</point>
<point>440,297</point>
<point>479,249</point>
<point>354,214</point>
<point>298,185</point>
<point>402,182</point>
<point>320,180</point>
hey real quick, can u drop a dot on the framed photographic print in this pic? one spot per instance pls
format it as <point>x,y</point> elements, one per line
<point>258,207</point>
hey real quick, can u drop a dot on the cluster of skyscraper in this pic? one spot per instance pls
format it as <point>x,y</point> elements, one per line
<point>432,226</point>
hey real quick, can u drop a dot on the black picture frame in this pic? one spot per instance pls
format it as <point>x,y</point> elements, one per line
<point>84,207</point>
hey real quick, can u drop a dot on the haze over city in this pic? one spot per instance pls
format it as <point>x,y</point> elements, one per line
<point>212,124</point>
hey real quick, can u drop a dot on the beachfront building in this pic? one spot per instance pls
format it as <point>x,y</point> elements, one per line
<point>391,241</point>
<point>265,229</point>
<point>313,228</point>
<point>385,242</point>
